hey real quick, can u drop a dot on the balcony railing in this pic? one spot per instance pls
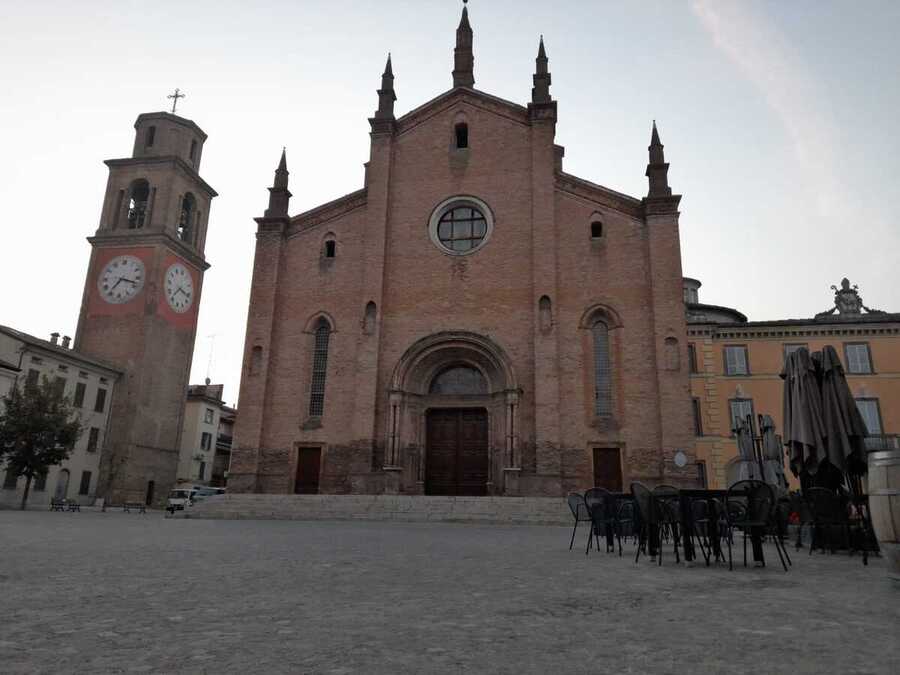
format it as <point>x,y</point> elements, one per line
<point>883,442</point>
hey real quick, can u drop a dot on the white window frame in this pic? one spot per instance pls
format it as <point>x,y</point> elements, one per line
<point>730,364</point>
<point>855,365</point>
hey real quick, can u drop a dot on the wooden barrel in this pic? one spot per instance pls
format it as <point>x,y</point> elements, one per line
<point>884,505</point>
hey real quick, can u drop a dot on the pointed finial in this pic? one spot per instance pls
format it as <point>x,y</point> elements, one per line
<point>463,58</point>
<point>279,195</point>
<point>386,95</point>
<point>540,92</point>
<point>657,169</point>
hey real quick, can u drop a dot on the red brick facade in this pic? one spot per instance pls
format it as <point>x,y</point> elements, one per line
<point>519,310</point>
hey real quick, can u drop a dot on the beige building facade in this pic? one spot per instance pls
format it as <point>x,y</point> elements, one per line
<point>735,368</point>
<point>89,384</point>
<point>206,436</point>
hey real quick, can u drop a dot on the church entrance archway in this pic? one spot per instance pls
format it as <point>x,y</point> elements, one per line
<point>452,422</point>
<point>456,453</point>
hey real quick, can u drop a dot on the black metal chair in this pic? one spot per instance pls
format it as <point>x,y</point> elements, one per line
<point>602,507</point>
<point>627,518</point>
<point>580,512</point>
<point>653,516</point>
<point>829,515</point>
<point>750,506</point>
<point>666,502</point>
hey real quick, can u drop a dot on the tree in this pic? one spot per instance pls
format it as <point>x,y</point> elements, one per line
<point>38,429</point>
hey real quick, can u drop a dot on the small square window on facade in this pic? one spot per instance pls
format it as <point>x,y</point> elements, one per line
<point>868,408</point>
<point>858,359</point>
<point>93,439</point>
<point>59,385</point>
<point>85,486</point>
<point>692,357</point>
<point>100,402</point>
<point>330,248</point>
<point>462,135</point>
<point>736,361</point>
<point>78,398</point>
<point>32,378</point>
<point>206,440</point>
<point>208,416</point>
<point>791,348</point>
<point>596,230</point>
<point>701,475</point>
<point>40,482</point>
<point>741,409</point>
<point>698,417</point>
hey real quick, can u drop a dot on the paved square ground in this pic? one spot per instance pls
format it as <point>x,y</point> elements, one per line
<point>111,592</point>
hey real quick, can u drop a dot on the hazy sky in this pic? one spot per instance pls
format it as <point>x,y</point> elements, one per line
<point>779,121</point>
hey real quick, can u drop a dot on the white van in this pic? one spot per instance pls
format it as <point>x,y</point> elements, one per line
<point>179,499</point>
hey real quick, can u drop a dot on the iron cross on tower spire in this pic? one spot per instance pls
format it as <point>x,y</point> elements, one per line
<point>177,95</point>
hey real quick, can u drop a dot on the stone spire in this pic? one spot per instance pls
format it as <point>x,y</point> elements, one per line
<point>279,195</point>
<point>657,169</point>
<point>463,59</point>
<point>386,95</point>
<point>540,93</point>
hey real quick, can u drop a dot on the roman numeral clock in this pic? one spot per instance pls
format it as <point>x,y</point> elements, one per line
<point>140,301</point>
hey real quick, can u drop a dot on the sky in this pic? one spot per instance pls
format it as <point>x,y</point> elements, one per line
<point>778,119</point>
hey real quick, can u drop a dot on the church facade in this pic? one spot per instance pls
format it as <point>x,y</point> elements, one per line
<point>472,321</point>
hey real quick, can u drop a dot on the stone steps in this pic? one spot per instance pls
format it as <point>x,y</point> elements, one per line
<point>398,508</point>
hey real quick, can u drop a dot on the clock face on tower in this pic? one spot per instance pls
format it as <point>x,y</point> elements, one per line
<point>179,288</point>
<point>121,279</point>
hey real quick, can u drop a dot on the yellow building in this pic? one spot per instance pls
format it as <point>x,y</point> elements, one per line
<point>736,364</point>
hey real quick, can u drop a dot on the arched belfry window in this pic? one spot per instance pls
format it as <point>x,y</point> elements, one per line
<point>186,219</point>
<point>319,368</point>
<point>459,381</point>
<point>138,195</point>
<point>602,370</point>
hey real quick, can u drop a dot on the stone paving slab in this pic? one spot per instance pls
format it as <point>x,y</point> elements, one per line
<point>124,593</point>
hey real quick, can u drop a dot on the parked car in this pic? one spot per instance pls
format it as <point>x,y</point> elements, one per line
<point>202,492</point>
<point>179,499</point>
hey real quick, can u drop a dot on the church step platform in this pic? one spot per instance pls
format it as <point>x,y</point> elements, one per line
<point>398,508</point>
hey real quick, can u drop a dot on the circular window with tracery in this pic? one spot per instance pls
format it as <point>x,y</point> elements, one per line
<point>461,225</point>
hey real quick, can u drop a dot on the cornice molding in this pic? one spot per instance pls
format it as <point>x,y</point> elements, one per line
<point>173,160</point>
<point>598,194</point>
<point>326,212</point>
<point>113,238</point>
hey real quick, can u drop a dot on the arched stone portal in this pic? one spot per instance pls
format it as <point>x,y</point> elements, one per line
<point>452,424</point>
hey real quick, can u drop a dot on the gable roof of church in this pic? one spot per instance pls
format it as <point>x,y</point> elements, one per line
<point>476,97</point>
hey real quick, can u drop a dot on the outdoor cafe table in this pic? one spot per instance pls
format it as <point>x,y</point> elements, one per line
<point>714,499</point>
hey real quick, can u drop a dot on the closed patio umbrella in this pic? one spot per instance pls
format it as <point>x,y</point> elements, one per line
<point>804,428</point>
<point>773,455</point>
<point>845,429</point>
<point>747,465</point>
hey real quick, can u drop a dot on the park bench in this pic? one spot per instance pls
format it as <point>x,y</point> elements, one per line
<point>64,505</point>
<point>136,506</point>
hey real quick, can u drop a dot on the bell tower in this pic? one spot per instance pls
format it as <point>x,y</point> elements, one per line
<point>140,301</point>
